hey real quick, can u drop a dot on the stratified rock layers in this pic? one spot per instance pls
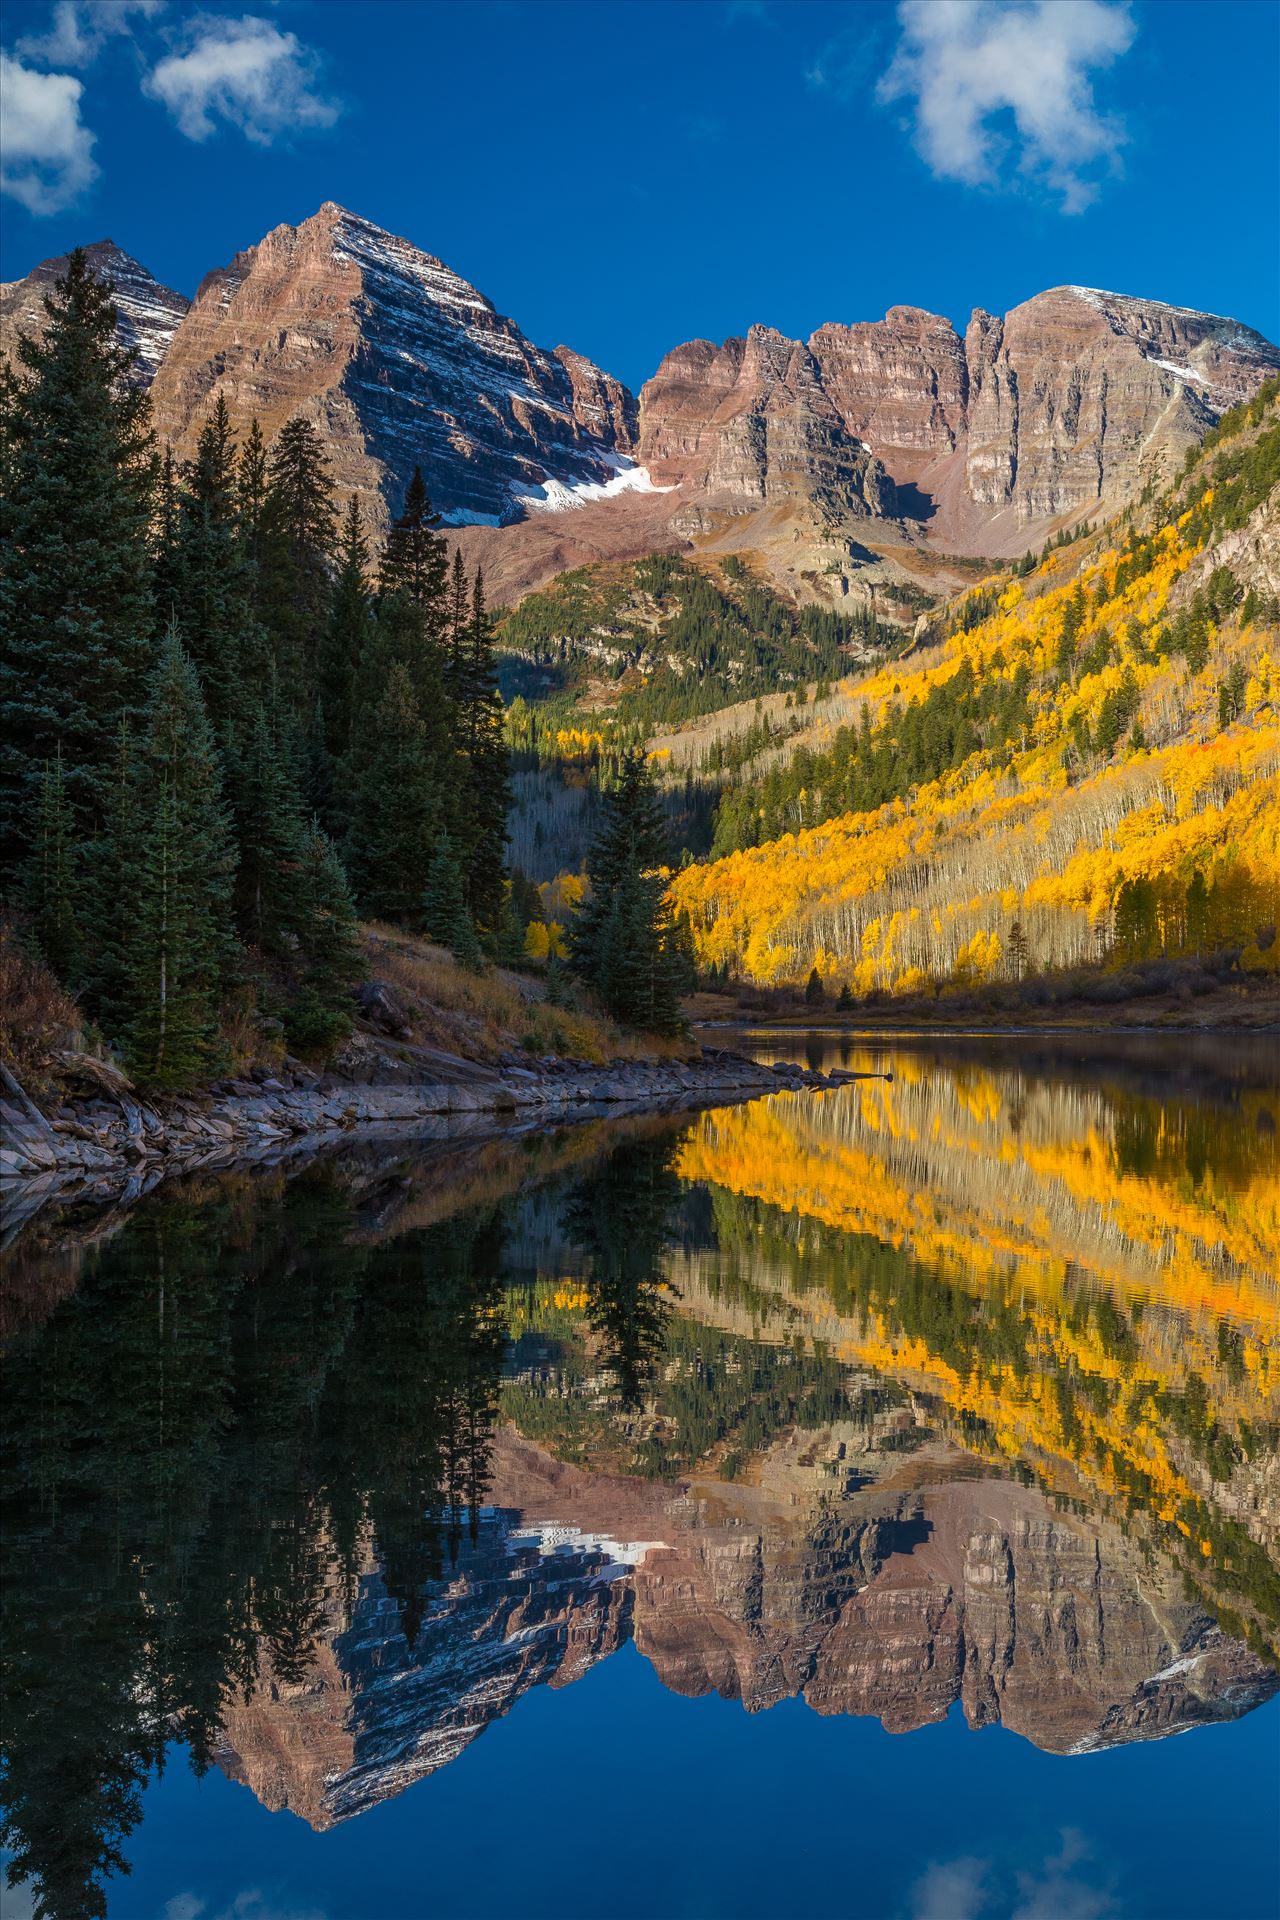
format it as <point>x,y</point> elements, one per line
<point>882,1600</point>
<point>149,314</point>
<point>1073,401</point>
<point>1076,398</point>
<point>399,363</point>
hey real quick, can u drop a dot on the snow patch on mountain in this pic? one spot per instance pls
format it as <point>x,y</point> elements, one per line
<point>1181,373</point>
<point>560,496</point>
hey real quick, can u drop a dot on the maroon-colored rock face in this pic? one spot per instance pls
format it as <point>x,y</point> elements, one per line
<point>399,363</point>
<point>895,1598</point>
<point>1069,404</point>
<point>1074,400</point>
<point>149,314</point>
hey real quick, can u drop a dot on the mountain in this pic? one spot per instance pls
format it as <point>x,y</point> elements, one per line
<point>1101,729</point>
<point>840,458</point>
<point>1076,399</point>
<point>399,362</point>
<point>841,1579</point>
<point>149,313</point>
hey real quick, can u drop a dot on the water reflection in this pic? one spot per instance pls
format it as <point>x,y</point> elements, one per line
<point>959,1388</point>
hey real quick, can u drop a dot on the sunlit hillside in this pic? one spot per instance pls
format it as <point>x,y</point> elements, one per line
<point>1089,1281</point>
<point>1087,765</point>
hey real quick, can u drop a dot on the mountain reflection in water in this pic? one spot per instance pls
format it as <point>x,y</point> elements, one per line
<point>963,1388</point>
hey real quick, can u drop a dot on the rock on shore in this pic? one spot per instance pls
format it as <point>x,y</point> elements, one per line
<point>117,1131</point>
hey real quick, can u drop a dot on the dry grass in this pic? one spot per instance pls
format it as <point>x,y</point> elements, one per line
<point>482,1015</point>
<point>37,1018</point>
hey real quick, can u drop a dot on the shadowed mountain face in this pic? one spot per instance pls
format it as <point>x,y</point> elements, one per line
<point>1073,401</point>
<point>398,362</point>
<point>858,1596</point>
<point>149,314</point>
<point>955,1391</point>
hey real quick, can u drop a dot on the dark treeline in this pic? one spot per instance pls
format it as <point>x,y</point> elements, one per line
<point>225,731</point>
<point>242,1411</point>
<point>198,1448</point>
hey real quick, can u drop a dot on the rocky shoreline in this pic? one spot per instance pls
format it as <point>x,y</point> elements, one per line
<point>117,1134</point>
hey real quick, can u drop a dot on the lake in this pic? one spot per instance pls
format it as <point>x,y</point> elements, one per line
<point>834,1504</point>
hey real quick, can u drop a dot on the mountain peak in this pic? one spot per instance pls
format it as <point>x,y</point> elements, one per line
<point>401,363</point>
<point>149,313</point>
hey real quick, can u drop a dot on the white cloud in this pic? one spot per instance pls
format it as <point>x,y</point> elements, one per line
<point>967,64</point>
<point>46,151</point>
<point>185,1906</point>
<point>950,1890</point>
<point>252,1904</point>
<point>79,28</point>
<point>246,72</point>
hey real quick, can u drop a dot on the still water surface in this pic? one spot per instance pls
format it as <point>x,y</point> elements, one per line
<point>829,1505</point>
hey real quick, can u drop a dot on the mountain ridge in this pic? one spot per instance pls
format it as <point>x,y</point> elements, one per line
<point>903,431</point>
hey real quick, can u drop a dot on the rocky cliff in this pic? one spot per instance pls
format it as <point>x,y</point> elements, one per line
<point>897,432</point>
<point>149,314</point>
<point>863,1581</point>
<point>398,362</point>
<point>1071,402</point>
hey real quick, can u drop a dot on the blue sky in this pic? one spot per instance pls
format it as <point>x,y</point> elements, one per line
<point>624,176</point>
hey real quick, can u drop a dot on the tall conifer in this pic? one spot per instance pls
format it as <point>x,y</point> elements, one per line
<point>623,943</point>
<point>329,937</point>
<point>413,560</point>
<point>348,635</point>
<point>51,888</point>
<point>75,573</point>
<point>296,541</point>
<point>482,740</point>
<point>213,576</point>
<point>177,873</point>
<point>270,828</point>
<point>446,917</point>
<point>396,804</point>
<point>457,621</point>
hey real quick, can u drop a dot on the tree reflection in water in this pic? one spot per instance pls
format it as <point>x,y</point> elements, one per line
<point>267,1410</point>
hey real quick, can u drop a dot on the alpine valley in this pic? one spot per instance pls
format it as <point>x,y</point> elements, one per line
<point>642,1119</point>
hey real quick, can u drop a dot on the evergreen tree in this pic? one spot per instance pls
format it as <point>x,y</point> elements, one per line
<point>318,774</point>
<point>457,624</point>
<point>270,831</point>
<point>177,876</point>
<point>1197,913</point>
<point>508,943</point>
<point>1136,921</point>
<point>620,1220</point>
<point>214,587</point>
<point>413,560</point>
<point>348,635</point>
<point>321,1015</point>
<point>622,941</point>
<point>251,504</point>
<point>75,573</point>
<point>164,541</point>
<point>480,716</point>
<point>554,981</point>
<point>446,917</point>
<point>51,890</point>
<point>395,804</point>
<point>1231,694</point>
<point>814,994</point>
<point>295,542</point>
<point>109,870</point>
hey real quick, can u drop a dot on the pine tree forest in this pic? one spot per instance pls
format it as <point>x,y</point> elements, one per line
<point>230,729</point>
